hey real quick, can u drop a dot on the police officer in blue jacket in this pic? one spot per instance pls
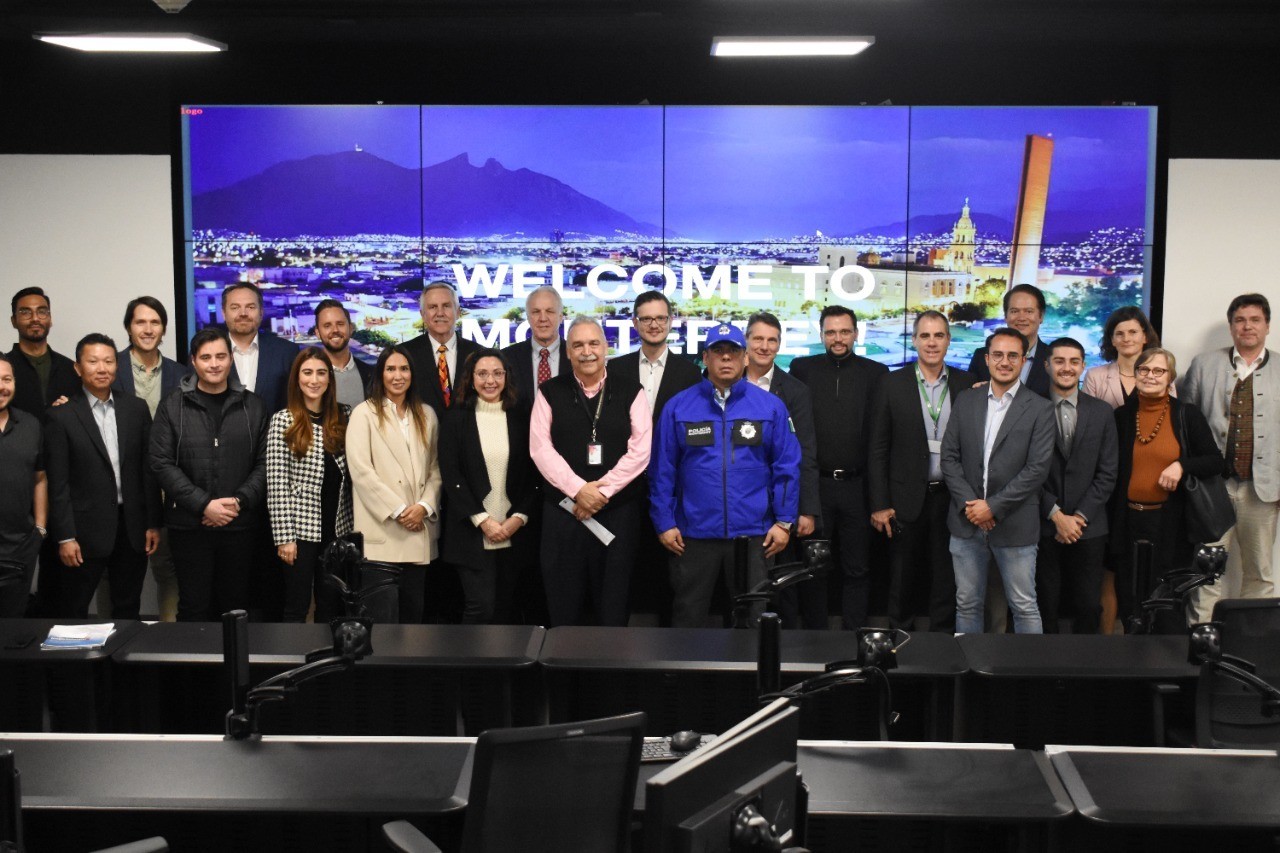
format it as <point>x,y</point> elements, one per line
<point>725,464</point>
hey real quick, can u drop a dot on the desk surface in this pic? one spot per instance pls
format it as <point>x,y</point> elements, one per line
<point>1171,787</point>
<point>190,773</point>
<point>19,630</point>
<point>729,650</point>
<point>470,646</point>
<point>1077,656</point>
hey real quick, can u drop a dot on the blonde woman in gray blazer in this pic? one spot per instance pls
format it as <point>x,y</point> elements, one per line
<point>392,453</point>
<point>308,489</point>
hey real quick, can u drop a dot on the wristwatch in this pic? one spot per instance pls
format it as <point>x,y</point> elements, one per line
<point>785,525</point>
<point>44,534</point>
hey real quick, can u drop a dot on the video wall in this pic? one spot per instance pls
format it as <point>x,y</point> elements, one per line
<point>728,210</point>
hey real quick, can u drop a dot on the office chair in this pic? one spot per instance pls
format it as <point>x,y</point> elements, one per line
<point>569,786</point>
<point>11,816</point>
<point>1239,710</point>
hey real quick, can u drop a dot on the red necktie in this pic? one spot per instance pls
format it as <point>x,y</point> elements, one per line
<point>442,368</point>
<point>544,366</point>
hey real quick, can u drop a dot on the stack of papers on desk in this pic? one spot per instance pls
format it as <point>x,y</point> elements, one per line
<point>78,636</point>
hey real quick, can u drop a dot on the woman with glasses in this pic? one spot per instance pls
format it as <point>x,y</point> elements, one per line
<point>491,484</point>
<point>391,451</point>
<point>1149,497</point>
<point>308,491</point>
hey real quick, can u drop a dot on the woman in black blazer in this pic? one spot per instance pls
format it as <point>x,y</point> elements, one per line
<point>490,486</point>
<point>1150,495</point>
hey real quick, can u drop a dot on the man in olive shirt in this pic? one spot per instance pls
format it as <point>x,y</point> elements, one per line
<point>24,498</point>
<point>41,376</point>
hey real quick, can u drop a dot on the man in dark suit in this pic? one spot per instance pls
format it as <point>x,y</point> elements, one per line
<point>1073,500</point>
<point>104,498</point>
<point>262,361</point>
<point>351,375</point>
<point>440,351</point>
<point>41,376</point>
<point>841,384</point>
<point>995,458</point>
<point>801,606</point>
<point>662,374</point>
<point>1024,311</point>
<point>541,356</point>
<point>908,495</point>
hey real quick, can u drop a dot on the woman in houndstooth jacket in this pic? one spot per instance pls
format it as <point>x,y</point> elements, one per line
<point>308,488</point>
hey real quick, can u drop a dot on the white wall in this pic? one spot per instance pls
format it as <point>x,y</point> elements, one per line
<point>1224,220</point>
<point>94,232</point>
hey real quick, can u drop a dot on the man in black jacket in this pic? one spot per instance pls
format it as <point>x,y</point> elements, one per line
<point>208,449</point>
<point>908,497</point>
<point>261,361</point>
<point>841,384</point>
<point>42,377</point>
<point>105,501</point>
<point>440,351</point>
<point>1024,308</point>
<point>542,355</point>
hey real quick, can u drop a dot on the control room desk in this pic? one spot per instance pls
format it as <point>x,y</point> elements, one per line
<point>82,792</point>
<point>705,679</point>
<point>419,681</point>
<point>1170,799</point>
<point>1030,690</point>
<point>74,686</point>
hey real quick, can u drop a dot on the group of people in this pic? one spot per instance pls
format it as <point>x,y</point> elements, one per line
<point>547,483</point>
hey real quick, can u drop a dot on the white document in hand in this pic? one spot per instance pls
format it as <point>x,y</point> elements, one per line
<point>597,529</point>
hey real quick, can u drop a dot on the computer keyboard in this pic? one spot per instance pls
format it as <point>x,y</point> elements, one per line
<point>657,749</point>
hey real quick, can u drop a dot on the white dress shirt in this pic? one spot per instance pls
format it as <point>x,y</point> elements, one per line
<point>246,363</point>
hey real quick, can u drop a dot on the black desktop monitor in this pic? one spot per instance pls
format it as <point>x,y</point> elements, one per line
<point>692,805</point>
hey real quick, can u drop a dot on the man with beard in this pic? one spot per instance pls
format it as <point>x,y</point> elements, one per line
<point>261,360</point>
<point>24,496</point>
<point>1073,501</point>
<point>590,437</point>
<point>42,377</point>
<point>1024,307</point>
<point>841,384</point>
<point>350,375</point>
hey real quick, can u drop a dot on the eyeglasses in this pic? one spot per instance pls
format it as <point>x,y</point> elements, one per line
<point>1005,356</point>
<point>28,313</point>
<point>485,375</point>
<point>653,321</point>
<point>1153,372</point>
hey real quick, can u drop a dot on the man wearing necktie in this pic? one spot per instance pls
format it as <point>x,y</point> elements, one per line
<point>440,351</point>
<point>1073,500</point>
<point>542,355</point>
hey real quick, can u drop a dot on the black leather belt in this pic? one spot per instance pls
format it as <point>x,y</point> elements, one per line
<point>935,486</point>
<point>840,474</point>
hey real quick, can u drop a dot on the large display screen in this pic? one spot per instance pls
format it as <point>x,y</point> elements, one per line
<point>729,210</point>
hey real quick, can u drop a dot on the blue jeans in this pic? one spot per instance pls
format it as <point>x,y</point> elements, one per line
<point>970,559</point>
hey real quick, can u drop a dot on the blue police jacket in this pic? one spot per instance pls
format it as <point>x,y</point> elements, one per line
<point>719,473</point>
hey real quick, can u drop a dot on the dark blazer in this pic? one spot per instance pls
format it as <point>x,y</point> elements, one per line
<point>82,486</point>
<point>1083,482</point>
<point>171,373</point>
<point>1201,459</point>
<point>466,481</point>
<point>275,360</point>
<point>841,392</point>
<point>523,374</point>
<point>679,374</point>
<point>63,382</point>
<point>1019,465</point>
<point>898,460</point>
<point>799,403</point>
<point>1037,378</point>
<point>422,350</point>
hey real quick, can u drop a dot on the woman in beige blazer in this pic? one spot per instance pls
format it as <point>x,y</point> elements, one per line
<point>392,454</point>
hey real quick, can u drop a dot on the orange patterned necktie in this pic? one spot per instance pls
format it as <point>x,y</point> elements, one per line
<point>442,368</point>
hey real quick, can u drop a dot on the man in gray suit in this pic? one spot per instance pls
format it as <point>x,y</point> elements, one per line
<point>995,458</point>
<point>1073,500</point>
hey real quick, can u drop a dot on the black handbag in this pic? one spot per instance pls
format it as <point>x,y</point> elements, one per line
<point>1207,512</point>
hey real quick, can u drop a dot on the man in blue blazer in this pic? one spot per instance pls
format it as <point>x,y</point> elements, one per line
<point>1073,500</point>
<point>995,458</point>
<point>261,360</point>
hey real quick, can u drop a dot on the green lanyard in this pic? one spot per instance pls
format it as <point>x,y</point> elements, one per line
<point>928,404</point>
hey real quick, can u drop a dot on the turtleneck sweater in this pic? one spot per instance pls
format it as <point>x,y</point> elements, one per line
<point>1150,459</point>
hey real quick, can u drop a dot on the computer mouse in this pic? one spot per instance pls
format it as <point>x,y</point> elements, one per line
<point>685,741</point>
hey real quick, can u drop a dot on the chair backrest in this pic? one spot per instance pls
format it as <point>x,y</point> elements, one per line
<point>569,786</point>
<point>1228,714</point>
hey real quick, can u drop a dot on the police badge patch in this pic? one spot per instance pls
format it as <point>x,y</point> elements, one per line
<point>746,433</point>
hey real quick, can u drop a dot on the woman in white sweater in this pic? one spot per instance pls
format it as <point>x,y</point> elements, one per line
<point>491,485</point>
<point>391,451</point>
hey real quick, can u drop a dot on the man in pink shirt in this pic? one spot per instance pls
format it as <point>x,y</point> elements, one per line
<point>590,438</point>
